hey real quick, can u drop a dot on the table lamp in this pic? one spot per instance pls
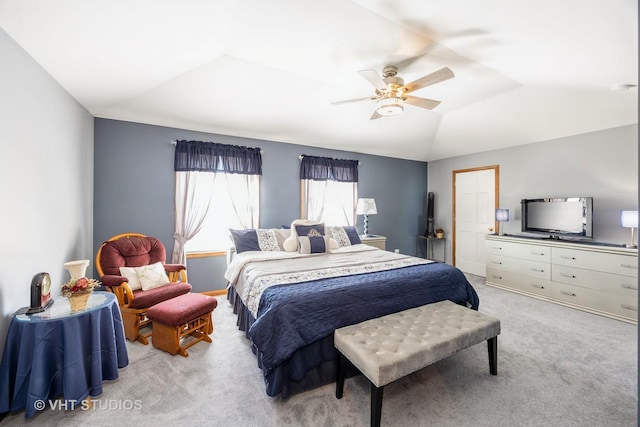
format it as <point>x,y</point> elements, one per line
<point>502,215</point>
<point>629,219</point>
<point>366,207</point>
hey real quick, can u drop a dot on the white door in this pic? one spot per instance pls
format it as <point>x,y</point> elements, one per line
<point>475,195</point>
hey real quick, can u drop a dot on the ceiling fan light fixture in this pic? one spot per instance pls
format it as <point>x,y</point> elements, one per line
<point>390,106</point>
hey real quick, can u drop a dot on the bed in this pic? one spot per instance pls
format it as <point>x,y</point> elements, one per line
<point>290,302</point>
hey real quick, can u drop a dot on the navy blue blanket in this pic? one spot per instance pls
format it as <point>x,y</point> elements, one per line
<point>294,315</point>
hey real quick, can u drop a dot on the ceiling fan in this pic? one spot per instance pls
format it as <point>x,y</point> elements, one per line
<point>391,92</point>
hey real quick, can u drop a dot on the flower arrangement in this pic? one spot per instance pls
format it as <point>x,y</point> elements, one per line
<point>79,286</point>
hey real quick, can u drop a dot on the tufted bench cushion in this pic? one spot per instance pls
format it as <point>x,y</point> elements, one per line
<point>174,319</point>
<point>390,347</point>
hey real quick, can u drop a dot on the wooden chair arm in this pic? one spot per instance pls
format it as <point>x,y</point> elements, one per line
<point>119,286</point>
<point>176,272</point>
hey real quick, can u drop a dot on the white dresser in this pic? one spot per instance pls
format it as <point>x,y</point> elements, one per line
<point>601,279</point>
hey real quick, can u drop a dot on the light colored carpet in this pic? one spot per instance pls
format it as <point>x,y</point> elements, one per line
<point>556,367</point>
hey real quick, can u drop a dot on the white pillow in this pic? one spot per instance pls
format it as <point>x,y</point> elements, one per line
<point>152,276</point>
<point>282,234</point>
<point>132,277</point>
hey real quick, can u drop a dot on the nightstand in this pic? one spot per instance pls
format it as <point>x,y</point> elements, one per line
<point>376,241</point>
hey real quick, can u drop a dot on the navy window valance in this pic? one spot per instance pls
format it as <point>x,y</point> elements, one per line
<point>328,169</point>
<point>214,157</point>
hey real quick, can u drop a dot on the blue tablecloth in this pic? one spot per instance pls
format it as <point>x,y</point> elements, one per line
<point>59,353</point>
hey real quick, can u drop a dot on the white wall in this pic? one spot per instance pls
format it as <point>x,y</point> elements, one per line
<point>602,165</point>
<point>46,179</point>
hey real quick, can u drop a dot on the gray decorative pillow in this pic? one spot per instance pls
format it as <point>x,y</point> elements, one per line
<point>310,230</point>
<point>313,244</point>
<point>255,240</point>
<point>268,240</point>
<point>353,234</point>
<point>345,235</point>
<point>339,234</point>
<point>245,240</point>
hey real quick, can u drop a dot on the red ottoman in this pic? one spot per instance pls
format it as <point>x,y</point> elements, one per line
<point>179,317</point>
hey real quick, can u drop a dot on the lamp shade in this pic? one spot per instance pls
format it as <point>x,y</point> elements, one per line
<point>366,207</point>
<point>502,215</point>
<point>629,219</point>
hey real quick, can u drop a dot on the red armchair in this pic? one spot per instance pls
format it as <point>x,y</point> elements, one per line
<point>137,250</point>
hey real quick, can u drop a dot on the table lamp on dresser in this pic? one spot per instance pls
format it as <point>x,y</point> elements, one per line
<point>629,219</point>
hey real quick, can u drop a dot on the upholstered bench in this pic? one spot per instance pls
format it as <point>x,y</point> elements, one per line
<point>390,347</point>
<point>179,317</point>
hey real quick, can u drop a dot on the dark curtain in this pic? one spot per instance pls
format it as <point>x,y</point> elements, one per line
<point>328,169</point>
<point>212,157</point>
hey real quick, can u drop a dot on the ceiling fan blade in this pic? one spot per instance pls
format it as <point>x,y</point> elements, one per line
<point>429,104</point>
<point>433,78</point>
<point>374,78</point>
<point>347,101</point>
<point>375,115</point>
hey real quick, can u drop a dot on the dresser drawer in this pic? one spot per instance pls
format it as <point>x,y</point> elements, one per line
<point>626,265</point>
<point>539,270</point>
<point>519,282</point>
<point>607,282</point>
<point>517,250</point>
<point>597,300</point>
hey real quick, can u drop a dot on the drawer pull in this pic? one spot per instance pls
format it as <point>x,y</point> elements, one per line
<point>537,286</point>
<point>635,267</point>
<point>625,286</point>
<point>537,270</point>
<point>496,247</point>
<point>572,258</point>
<point>571,294</point>
<point>629,307</point>
<point>496,276</point>
<point>570,276</point>
<point>537,253</point>
<point>496,262</point>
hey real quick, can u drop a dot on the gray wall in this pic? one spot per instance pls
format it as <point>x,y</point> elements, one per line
<point>46,179</point>
<point>602,165</point>
<point>134,189</point>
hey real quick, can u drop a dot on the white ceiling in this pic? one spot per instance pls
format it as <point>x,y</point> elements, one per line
<point>526,70</point>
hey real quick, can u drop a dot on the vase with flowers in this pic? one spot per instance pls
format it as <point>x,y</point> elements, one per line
<point>78,292</point>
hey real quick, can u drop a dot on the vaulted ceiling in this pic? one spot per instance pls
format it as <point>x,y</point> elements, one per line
<point>525,70</point>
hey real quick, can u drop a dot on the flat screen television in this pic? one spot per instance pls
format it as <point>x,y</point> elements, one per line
<point>558,218</point>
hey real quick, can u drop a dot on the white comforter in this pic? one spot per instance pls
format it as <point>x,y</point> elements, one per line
<point>252,272</point>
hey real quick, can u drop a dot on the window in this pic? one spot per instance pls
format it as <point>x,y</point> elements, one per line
<point>235,201</point>
<point>329,190</point>
<point>331,202</point>
<point>217,188</point>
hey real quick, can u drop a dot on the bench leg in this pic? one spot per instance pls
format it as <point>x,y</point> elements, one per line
<point>376,405</point>
<point>492,346</point>
<point>340,374</point>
